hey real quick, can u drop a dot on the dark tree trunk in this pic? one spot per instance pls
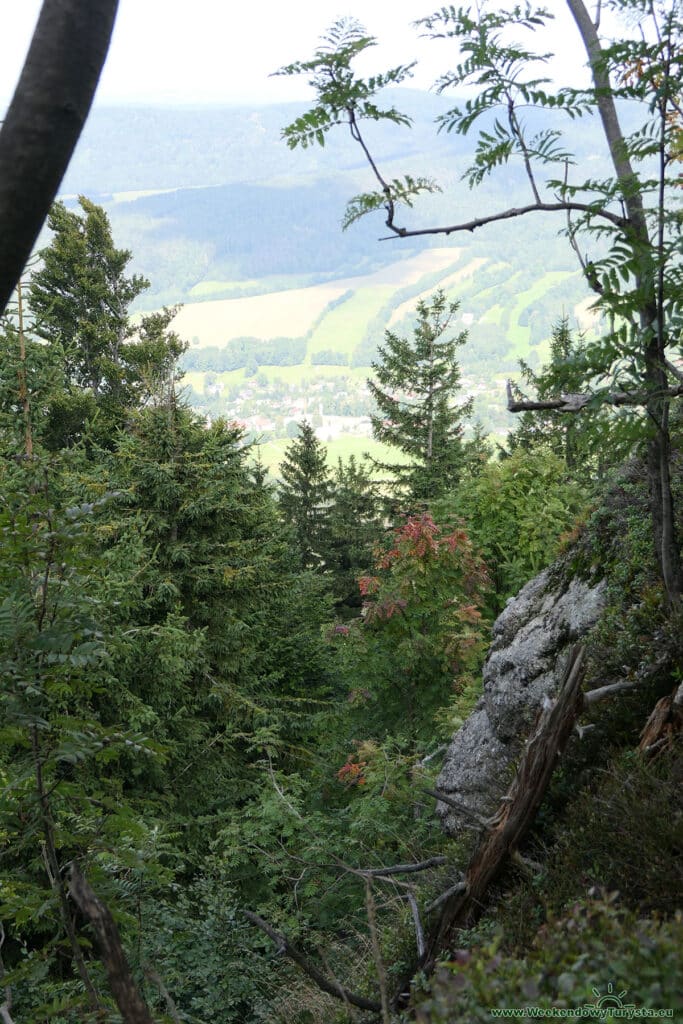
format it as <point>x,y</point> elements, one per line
<point>44,122</point>
<point>651,314</point>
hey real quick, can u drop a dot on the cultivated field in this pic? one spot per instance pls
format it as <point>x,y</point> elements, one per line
<point>291,313</point>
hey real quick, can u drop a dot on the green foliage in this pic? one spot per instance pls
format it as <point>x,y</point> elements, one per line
<point>516,512</point>
<point>566,435</point>
<point>353,530</point>
<point>421,634</point>
<point>402,191</point>
<point>80,299</point>
<point>417,381</point>
<point>342,96</point>
<point>573,961</point>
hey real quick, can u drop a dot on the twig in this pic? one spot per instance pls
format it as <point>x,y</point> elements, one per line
<point>593,696</point>
<point>324,984</point>
<point>526,863</point>
<point>430,757</point>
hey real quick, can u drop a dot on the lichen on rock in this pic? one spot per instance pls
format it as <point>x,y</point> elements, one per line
<point>530,646</point>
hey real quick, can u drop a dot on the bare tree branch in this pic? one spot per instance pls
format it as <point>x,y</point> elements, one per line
<point>603,692</point>
<point>157,980</point>
<point>121,982</point>
<point>377,951</point>
<point>515,211</point>
<point>577,402</point>
<point>324,984</point>
<point>44,121</point>
<point>445,798</point>
<point>404,869</point>
<point>430,757</point>
<point>452,890</point>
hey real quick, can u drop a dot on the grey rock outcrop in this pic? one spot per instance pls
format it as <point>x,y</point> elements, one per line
<point>530,646</point>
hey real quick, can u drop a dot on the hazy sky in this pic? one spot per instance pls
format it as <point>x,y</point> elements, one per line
<point>197,51</point>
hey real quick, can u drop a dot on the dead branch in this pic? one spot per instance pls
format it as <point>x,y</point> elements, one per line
<point>404,869</point>
<point>430,757</point>
<point>603,692</point>
<point>531,867</point>
<point>446,798</point>
<point>324,984</point>
<point>44,121</point>
<point>664,724</point>
<point>453,890</point>
<point>419,930</point>
<point>576,402</point>
<point>624,685</point>
<point>377,951</point>
<point>121,982</point>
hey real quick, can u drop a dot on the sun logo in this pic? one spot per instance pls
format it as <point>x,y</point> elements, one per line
<point>610,1000</point>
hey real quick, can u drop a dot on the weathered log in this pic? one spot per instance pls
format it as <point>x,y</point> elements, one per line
<point>510,824</point>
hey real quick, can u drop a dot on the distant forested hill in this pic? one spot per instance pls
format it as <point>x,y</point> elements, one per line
<point>213,204</point>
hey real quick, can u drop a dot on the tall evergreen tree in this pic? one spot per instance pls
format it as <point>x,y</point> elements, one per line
<point>418,379</point>
<point>305,493</point>
<point>354,529</point>
<point>564,434</point>
<point>80,300</point>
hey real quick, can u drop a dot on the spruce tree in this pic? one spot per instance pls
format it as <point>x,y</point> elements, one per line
<point>564,434</point>
<point>80,301</point>
<point>418,379</point>
<point>305,493</point>
<point>355,529</point>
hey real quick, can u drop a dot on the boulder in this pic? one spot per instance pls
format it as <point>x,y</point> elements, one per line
<point>526,661</point>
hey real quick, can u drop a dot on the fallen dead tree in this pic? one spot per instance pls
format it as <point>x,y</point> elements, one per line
<point>461,905</point>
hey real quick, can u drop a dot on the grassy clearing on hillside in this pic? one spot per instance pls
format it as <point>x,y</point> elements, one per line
<point>344,326</point>
<point>519,336</point>
<point>289,314</point>
<point>450,280</point>
<point>493,315</point>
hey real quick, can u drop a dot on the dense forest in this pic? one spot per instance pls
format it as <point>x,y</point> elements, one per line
<point>233,710</point>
